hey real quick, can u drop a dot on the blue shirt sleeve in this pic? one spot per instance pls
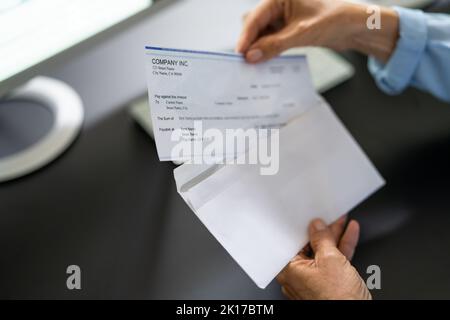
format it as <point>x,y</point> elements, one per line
<point>421,58</point>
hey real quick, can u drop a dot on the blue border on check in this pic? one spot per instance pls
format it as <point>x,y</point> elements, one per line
<point>220,54</point>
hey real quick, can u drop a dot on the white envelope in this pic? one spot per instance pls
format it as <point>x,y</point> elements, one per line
<point>261,220</point>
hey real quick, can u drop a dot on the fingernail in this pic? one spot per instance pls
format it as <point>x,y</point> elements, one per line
<point>238,48</point>
<point>254,55</point>
<point>319,225</point>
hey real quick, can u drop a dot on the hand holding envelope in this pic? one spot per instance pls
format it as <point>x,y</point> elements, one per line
<point>261,220</point>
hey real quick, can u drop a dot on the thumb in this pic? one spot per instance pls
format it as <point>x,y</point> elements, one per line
<point>321,237</point>
<point>269,46</point>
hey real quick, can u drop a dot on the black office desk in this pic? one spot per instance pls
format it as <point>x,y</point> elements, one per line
<point>109,206</point>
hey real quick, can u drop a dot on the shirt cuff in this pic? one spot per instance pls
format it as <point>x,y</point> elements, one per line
<point>394,76</point>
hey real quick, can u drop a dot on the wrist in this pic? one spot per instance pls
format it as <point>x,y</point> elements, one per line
<point>368,39</point>
<point>353,20</point>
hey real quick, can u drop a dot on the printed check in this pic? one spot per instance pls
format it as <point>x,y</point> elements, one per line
<point>223,92</point>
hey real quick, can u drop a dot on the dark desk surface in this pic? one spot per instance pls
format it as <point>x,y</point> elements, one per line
<point>109,206</point>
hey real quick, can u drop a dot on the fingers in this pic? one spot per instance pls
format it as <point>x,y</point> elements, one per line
<point>349,240</point>
<point>321,237</point>
<point>270,46</point>
<point>296,267</point>
<point>256,21</point>
<point>337,227</point>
